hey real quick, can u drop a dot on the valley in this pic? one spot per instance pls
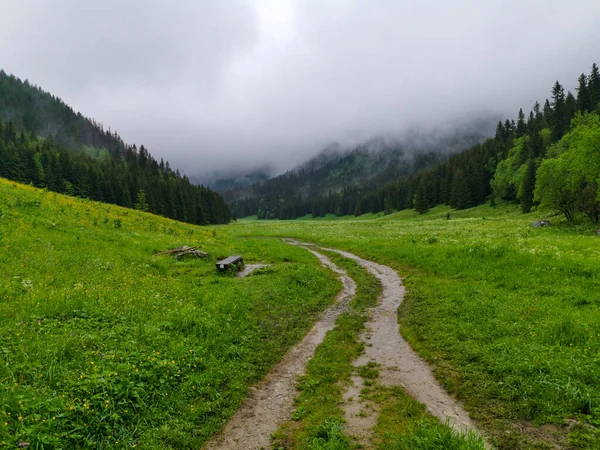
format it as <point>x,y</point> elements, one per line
<point>350,226</point>
<point>110,344</point>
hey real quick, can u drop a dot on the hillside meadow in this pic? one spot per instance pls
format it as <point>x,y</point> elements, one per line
<point>103,345</point>
<point>508,315</point>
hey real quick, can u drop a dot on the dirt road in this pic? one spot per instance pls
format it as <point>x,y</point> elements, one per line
<point>399,364</point>
<point>271,400</point>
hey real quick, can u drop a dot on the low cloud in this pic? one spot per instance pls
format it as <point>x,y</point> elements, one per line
<point>234,83</point>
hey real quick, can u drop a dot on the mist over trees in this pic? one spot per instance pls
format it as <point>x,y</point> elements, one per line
<point>336,179</point>
<point>549,157</point>
<point>45,143</point>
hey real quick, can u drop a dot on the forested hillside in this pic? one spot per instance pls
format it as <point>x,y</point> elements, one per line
<point>45,143</point>
<point>333,180</point>
<point>550,157</point>
<point>33,110</point>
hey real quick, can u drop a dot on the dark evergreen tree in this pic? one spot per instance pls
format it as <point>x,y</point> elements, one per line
<point>357,208</point>
<point>521,125</point>
<point>421,201</point>
<point>559,115</point>
<point>528,187</point>
<point>584,101</point>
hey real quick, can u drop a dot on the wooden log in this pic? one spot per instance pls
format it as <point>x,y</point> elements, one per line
<point>185,248</point>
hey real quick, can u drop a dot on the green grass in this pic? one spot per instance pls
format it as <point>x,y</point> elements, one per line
<point>404,424</point>
<point>318,419</point>
<point>508,315</point>
<point>103,345</point>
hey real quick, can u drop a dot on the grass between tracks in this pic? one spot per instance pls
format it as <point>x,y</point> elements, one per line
<point>318,415</point>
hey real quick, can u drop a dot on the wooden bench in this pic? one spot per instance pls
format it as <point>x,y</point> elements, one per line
<point>228,263</point>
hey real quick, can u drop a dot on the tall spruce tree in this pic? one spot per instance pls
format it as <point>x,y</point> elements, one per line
<point>584,101</point>
<point>528,187</point>
<point>558,115</point>
<point>421,201</point>
<point>521,125</point>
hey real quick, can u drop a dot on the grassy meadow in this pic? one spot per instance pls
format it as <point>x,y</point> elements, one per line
<point>507,314</point>
<point>103,345</point>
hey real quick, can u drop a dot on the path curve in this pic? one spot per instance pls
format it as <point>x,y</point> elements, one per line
<point>400,364</point>
<point>270,402</point>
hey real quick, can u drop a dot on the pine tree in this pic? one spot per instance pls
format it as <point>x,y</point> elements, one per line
<point>421,201</point>
<point>584,101</point>
<point>500,132</point>
<point>388,205</point>
<point>357,210</point>
<point>559,114</point>
<point>461,194</point>
<point>528,187</point>
<point>547,112</point>
<point>521,125</point>
<point>570,109</point>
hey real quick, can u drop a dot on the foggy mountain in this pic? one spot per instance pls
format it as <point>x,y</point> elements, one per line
<point>366,166</point>
<point>442,141</point>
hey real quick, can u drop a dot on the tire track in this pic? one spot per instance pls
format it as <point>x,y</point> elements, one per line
<point>400,364</point>
<point>271,400</point>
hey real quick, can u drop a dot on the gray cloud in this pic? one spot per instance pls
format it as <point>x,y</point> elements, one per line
<point>217,84</point>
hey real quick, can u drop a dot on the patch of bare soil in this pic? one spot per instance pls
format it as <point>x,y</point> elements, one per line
<point>361,414</point>
<point>249,268</point>
<point>271,400</point>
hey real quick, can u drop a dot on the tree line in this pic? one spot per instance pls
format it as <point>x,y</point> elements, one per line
<point>327,187</point>
<point>131,179</point>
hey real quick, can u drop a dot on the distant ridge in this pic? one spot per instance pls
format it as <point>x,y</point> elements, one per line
<point>331,181</point>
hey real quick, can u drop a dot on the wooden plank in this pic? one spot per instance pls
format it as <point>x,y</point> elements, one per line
<point>227,262</point>
<point>230,260</point>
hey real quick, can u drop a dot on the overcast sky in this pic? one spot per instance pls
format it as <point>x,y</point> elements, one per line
<point>227,83</point>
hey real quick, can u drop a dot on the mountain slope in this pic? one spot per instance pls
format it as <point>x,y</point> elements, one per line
<point>336,172</point>
<point>33,110</point>
<point>544,158</point>
<point>45,143</point>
